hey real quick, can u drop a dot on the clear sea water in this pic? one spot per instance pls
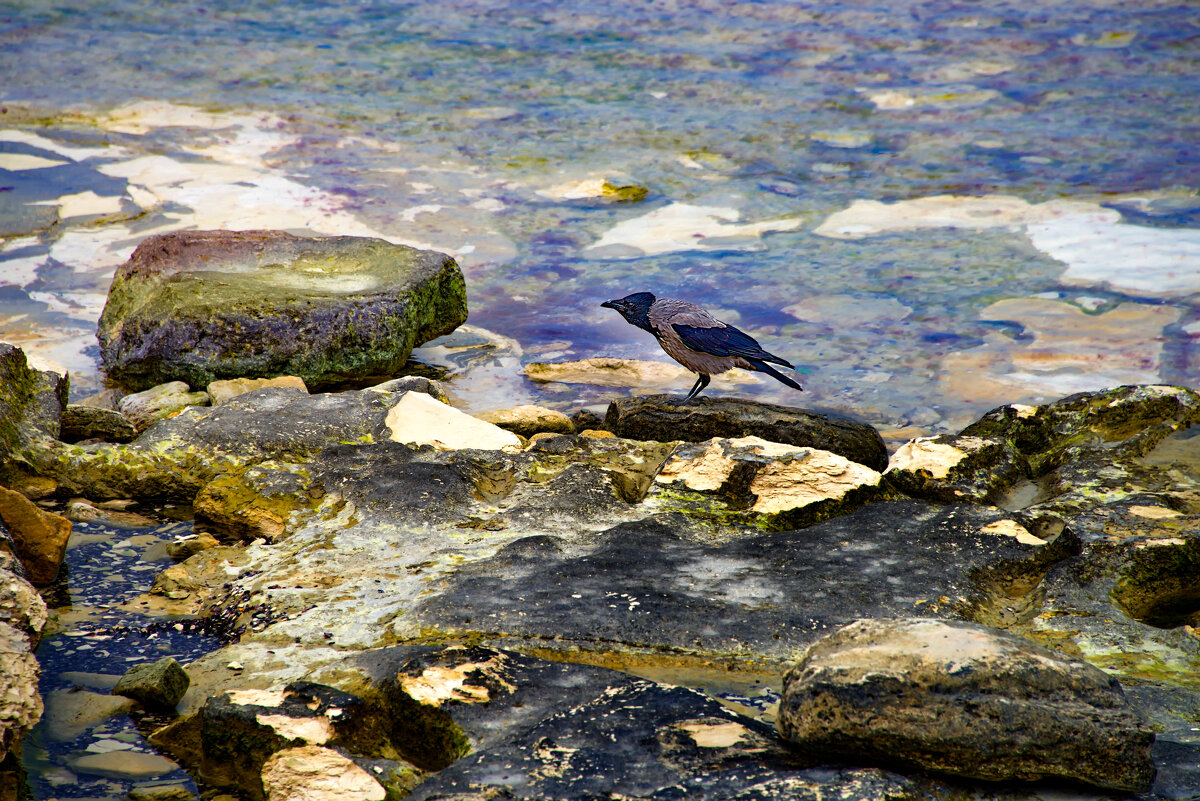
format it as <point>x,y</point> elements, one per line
<point>461,125</point>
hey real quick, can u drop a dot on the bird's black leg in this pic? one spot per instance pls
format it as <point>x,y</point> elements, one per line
<point>700,384</point>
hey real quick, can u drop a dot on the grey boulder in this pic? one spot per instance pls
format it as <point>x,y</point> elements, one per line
<point>963,699</point>
<point>158,685</point>
<point>667,418</point>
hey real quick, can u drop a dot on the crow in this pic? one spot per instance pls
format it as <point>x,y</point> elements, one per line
<point>696,339</point>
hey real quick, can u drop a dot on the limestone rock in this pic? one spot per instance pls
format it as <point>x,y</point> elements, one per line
<point>221,391</point>
<point>587,420</point>
<point>157,685</point>
<point>1141,415</point>
<point>105,399</point>
<point>239,731</point>
<point>956,468</point>
<point>666,418</point>
<point>529,420</point>
<point>596,189</point>
<point>959,698</point>
<point>146,408</point>
<point>175,583</point>
<point>20,701</point>
<point>199,306</point>
<point>40,537</point>
<point>418,419</point>
<point>548,730</point>
<point>174,459</point>
<point>656,584</point>
<point>80,510</point>
<point>313,773</point>
<point>413,383</point>
<point>21,606</point>
<point>788,485</point>
<point>69,713</point>
<point>504,723</point>
<point>81,422</point>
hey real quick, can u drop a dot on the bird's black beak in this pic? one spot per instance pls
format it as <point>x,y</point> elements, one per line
<point>611,304</point>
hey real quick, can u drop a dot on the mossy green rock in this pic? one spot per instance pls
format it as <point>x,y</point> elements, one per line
<point>158,685</point>
<point>199,306</point>
<point>31,401</point>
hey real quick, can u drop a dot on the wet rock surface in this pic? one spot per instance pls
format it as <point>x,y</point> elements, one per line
<point>1069,524</point>
<point>963,699</point>
<point>199,306</point>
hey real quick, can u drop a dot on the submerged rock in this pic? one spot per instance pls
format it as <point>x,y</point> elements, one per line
<point>199,306</point>
<point>158,685</point>
<point>128,765</point>
<point>606,371</point>
<point>71,712</point>
<point>666,418</point>
<point>963,699</point>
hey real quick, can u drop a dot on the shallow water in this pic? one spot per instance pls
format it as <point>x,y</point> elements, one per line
<point>93,638</point>
<point>468,126</point>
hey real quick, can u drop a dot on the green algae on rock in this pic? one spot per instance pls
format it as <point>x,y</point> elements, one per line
<point>31,402</point>
<point>199,306</point>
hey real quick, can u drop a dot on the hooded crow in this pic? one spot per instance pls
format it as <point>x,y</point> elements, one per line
<point>696,339</point>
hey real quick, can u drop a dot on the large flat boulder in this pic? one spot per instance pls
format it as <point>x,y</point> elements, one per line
<point>198,306</point>
<point>668,418</point>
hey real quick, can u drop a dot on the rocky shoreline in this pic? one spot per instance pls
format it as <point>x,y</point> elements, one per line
<point>547,607</point>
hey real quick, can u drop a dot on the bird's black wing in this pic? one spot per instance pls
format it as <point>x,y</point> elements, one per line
<point>724,341</point>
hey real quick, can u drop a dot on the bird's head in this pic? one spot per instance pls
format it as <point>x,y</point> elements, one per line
<point>634,308</point>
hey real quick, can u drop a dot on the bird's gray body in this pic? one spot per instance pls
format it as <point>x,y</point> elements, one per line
<point>696,339</point>
<point>665,313</point>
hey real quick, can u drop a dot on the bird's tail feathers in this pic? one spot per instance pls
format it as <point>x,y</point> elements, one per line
<point>762,367</point>
<point>771,357</point>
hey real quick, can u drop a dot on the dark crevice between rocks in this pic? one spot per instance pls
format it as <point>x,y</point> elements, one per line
<point>493,480</point>
<point>1009,593</point>
<point>1161,585</point>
